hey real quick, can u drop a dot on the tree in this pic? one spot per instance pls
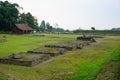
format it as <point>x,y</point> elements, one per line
<point>22,18</point>
<point>48,27</point>
<point>8,15</point>
<point>28,19</point>
<point>93,28</point>
<point>42,26</point>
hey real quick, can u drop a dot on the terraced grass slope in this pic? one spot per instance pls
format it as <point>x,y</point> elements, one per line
<point>84,64</point>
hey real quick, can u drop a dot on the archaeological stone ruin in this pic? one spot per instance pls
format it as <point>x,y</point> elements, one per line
<point>69,45</point>
<point>3,39</point>
<point>25,59</point>
<point>48,50</point>
<point>41,54</point>
<point>86,38</point>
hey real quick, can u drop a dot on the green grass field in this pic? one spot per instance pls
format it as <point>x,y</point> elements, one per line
<point>80,64</point>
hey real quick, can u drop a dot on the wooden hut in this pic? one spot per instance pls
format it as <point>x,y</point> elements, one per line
<point>21,29</point>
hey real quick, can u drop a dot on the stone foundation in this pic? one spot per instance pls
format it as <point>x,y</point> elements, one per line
<point>48,50</point>
<point>25,59</point>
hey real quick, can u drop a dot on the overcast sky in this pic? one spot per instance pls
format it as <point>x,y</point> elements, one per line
<point>74,14</point>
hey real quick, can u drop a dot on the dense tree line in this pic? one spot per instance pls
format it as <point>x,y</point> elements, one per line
<point>10,15</point>
<point>97,32</point>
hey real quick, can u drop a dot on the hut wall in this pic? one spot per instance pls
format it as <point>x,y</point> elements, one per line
<point>15,30</point>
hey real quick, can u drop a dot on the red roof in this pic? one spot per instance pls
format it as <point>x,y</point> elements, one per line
<point>23,27</point>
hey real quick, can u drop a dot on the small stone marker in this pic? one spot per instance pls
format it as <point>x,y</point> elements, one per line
<point>15,56</point>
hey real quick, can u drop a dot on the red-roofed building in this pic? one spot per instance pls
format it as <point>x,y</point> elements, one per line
<point>21,29</point>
